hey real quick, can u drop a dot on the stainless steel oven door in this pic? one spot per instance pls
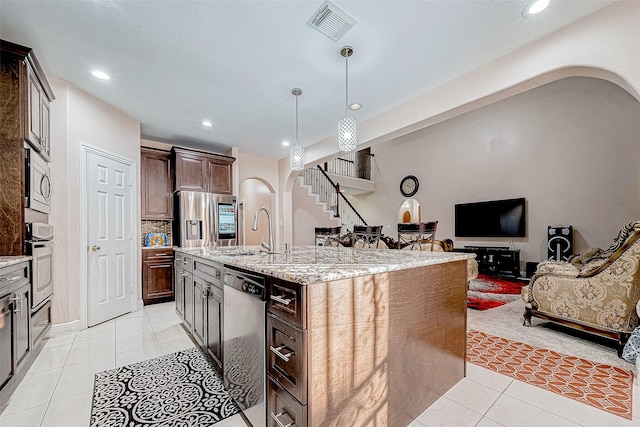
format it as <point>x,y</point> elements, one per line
<point>41,272</point>
<point>39,184</point>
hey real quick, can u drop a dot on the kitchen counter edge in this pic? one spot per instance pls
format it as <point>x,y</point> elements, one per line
<point>312,264</point>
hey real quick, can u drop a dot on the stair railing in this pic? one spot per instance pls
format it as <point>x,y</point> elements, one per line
<point>329,193</point>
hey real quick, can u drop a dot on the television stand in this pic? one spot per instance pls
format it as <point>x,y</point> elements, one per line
<point>496,260</point>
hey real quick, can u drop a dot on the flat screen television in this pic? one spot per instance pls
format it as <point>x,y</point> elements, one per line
<point>495,218</point>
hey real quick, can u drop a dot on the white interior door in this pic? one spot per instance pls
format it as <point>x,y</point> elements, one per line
<point>109,231</point>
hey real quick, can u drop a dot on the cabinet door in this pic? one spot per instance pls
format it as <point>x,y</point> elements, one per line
<point>191,172</point>
<point>6,336</point>
<point>199,309</point>
<point>219,177</point>
<point>157,278</point>
<point>179,291</point>
<point>215,304</point>
<point>33,127</point>
<point>156,178</point>
<point>45,129</point>
<point>188,300</point>
<point>23,329</point>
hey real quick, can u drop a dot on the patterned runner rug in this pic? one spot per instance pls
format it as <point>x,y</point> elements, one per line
<point>180,389</point>
<point>602,386</point>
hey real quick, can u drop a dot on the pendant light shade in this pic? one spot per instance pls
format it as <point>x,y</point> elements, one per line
<point>296,151</point>
<point>347,137</point>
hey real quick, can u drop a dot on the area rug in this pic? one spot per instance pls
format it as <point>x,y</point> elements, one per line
<point>179,389</point>
<point>487,292</point>
<point>602,386</point>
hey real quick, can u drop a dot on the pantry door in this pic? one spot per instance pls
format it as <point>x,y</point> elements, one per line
<point>109,209</point>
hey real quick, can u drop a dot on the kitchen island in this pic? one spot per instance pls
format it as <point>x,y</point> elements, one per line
<point>369,337</point>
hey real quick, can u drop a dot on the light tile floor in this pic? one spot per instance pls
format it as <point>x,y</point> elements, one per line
<point>57,390</point>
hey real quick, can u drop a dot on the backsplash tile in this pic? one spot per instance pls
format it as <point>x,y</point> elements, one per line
<point>156,226</point>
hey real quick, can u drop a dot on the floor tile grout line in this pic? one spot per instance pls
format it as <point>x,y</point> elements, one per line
<point>559,396</point>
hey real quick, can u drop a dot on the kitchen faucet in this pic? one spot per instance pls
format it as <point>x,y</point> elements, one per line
<point>254,227</point>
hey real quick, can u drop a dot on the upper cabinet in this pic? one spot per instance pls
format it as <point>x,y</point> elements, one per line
<point>200,171</point>
<point>25,95</point>
<point>38,97</point>
<point>157,184</point>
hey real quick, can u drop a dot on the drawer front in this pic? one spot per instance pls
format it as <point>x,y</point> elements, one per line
<point>40,322</point>
<point>157,254</point>
<point>287,300</point>
<point>13,276</point>
<point>287,356</point>
<point>283,409</point>
<point>208,269</point>
<point>187,263</point>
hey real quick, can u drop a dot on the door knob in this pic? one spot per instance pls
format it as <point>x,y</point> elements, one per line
<point>95,248</point>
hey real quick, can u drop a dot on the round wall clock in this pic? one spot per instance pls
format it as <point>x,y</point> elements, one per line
<point>409,185</point>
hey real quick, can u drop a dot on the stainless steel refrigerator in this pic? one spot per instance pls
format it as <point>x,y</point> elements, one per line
<point>205,219</point>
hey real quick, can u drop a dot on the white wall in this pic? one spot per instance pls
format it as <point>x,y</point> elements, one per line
<point>258,186</point>
<point>307,215</point>
<point>78,118</point>
<point>571,148</point>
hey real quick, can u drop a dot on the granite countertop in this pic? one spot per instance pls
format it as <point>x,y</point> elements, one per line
<point>159,247</point>
<point>6,261</point>
<point>315,264</point>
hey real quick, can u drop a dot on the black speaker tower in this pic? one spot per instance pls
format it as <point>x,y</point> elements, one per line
<point>560,242</point>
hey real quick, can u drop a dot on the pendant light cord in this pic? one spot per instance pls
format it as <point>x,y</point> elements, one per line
<point>296,119</point>
<point>346,79</point>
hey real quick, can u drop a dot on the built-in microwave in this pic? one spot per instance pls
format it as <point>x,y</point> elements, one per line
<point>37,182</point>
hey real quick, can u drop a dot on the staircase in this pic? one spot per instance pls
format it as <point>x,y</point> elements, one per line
<point>328,195</point>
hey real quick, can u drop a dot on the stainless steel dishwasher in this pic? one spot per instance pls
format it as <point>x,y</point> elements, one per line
<point>244,329</point>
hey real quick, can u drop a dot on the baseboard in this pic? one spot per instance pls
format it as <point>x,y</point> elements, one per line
<point>139,305</point>
<point>64,329</point>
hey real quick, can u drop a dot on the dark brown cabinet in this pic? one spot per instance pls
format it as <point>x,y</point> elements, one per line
<point>15,322</point>
<point>157,275</point>
<point>38,98</point>
<point>157,184</point>
<point>24,113</point>
<point>200,171</point>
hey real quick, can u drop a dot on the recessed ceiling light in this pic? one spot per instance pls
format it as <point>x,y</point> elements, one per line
<point>285,143</point>
<point>355,106</point>
<point>535,7</point>
<point>100,75</point>
<point>207,123</point>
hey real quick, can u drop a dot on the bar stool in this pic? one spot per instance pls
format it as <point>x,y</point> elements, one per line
<point>416,234</point>
<point>368,235</point>
<point>327,236</point>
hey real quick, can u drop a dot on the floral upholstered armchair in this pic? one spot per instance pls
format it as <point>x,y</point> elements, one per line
<point>595,291</point>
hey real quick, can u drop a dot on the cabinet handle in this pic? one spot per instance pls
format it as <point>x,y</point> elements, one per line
<point>277,420</point>
<point>18,308</point>
<point>276,351</point>
<point>281,300</point>
<point>161,254</point>
<point>14,278</point>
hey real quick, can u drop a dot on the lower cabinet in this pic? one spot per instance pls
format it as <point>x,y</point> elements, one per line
<point>215,304</point>
<point>178,289</point>
<point>199,309</point>
<point>200,300</point>
<point>15,322</point>
<point>157,275</point>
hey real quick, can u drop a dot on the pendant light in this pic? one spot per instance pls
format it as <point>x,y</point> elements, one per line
<point>296,151</point>
<point>347,140</point>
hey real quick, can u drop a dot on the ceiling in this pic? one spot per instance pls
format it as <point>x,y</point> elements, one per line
<point>176,63</point>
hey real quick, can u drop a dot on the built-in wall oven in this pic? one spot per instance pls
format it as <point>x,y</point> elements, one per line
<point>37,182</point>
<point>40,247</point>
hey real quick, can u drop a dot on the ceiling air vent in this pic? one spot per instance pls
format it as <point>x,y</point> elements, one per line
<point>331,21</point>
